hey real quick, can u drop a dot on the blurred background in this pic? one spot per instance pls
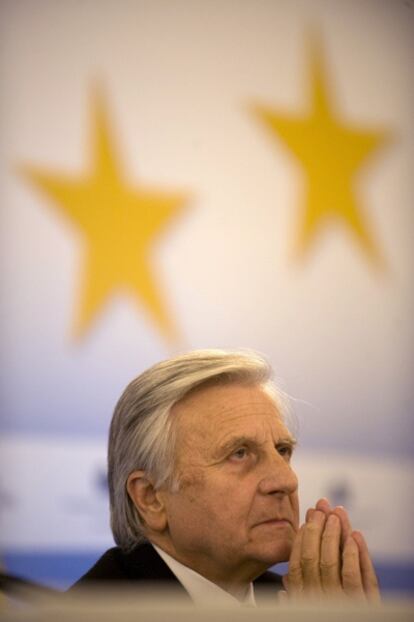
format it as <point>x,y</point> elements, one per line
<point>181,174</point>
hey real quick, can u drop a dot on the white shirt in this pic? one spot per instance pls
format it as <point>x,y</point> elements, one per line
<point>203,592</point>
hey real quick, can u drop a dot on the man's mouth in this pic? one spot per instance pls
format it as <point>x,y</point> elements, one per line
<point>276,522</point>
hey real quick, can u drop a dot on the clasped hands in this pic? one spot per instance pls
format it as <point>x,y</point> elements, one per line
<point>329,559</point>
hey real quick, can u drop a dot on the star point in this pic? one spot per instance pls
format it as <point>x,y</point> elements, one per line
<point>120,226</point>
<point>330,153</point>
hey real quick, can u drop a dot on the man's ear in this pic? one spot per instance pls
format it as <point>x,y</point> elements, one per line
<point>147,500</point>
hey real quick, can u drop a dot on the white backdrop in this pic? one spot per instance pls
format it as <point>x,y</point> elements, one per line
<point>175,87</point>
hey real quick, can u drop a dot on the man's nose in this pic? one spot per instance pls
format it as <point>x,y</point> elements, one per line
<point>279,477</point>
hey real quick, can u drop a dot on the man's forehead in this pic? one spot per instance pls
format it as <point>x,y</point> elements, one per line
<point>220,396</point>
<point>218,410</point>
<point>251,426</point>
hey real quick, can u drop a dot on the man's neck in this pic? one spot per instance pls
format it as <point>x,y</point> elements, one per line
<point>234,580</point>
<point>203,591</point>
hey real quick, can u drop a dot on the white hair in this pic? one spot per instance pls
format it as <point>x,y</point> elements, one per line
<point>142,435</point>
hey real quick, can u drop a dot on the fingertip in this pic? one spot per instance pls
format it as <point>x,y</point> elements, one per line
<point>342,514</point>
<point>323,505</point>
<point>324,500</point>
<point>309,514</point>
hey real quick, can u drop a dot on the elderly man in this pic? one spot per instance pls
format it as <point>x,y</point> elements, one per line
<point>203,494</point>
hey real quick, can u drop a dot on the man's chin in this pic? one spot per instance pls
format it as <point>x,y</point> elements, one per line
<point>276,553</point>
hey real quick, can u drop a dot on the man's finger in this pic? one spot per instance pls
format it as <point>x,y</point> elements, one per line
<point>369,577</point>
<point>310,554</point>
<point>346,526</point>
<point>351,571</point>
<point>309,514</point>
<point>324,506</point>
<point>293,582</point>
<point>330,564</point>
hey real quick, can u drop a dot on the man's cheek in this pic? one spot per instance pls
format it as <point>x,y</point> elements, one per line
<point>229,510</point>
<point>191,484</point>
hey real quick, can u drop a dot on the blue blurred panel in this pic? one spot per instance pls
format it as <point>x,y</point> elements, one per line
<point>62,569</point>
<point>59,569</point>
<point>396,577</point>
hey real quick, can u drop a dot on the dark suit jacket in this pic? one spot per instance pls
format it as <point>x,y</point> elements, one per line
<point>143,564</point>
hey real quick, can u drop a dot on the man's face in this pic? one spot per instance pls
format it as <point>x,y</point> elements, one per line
<point>236,510</point>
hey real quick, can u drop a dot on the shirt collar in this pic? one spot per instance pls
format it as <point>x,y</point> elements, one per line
<point>202,591</point>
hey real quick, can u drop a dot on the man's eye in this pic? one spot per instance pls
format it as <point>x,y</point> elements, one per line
<point>240,453</point>
<point>285,450</point>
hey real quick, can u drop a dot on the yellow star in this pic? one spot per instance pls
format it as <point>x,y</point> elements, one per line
<point>120,225</point>
<point>330,152</point>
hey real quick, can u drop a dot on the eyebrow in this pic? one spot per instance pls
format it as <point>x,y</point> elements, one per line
<point>237,441</point>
